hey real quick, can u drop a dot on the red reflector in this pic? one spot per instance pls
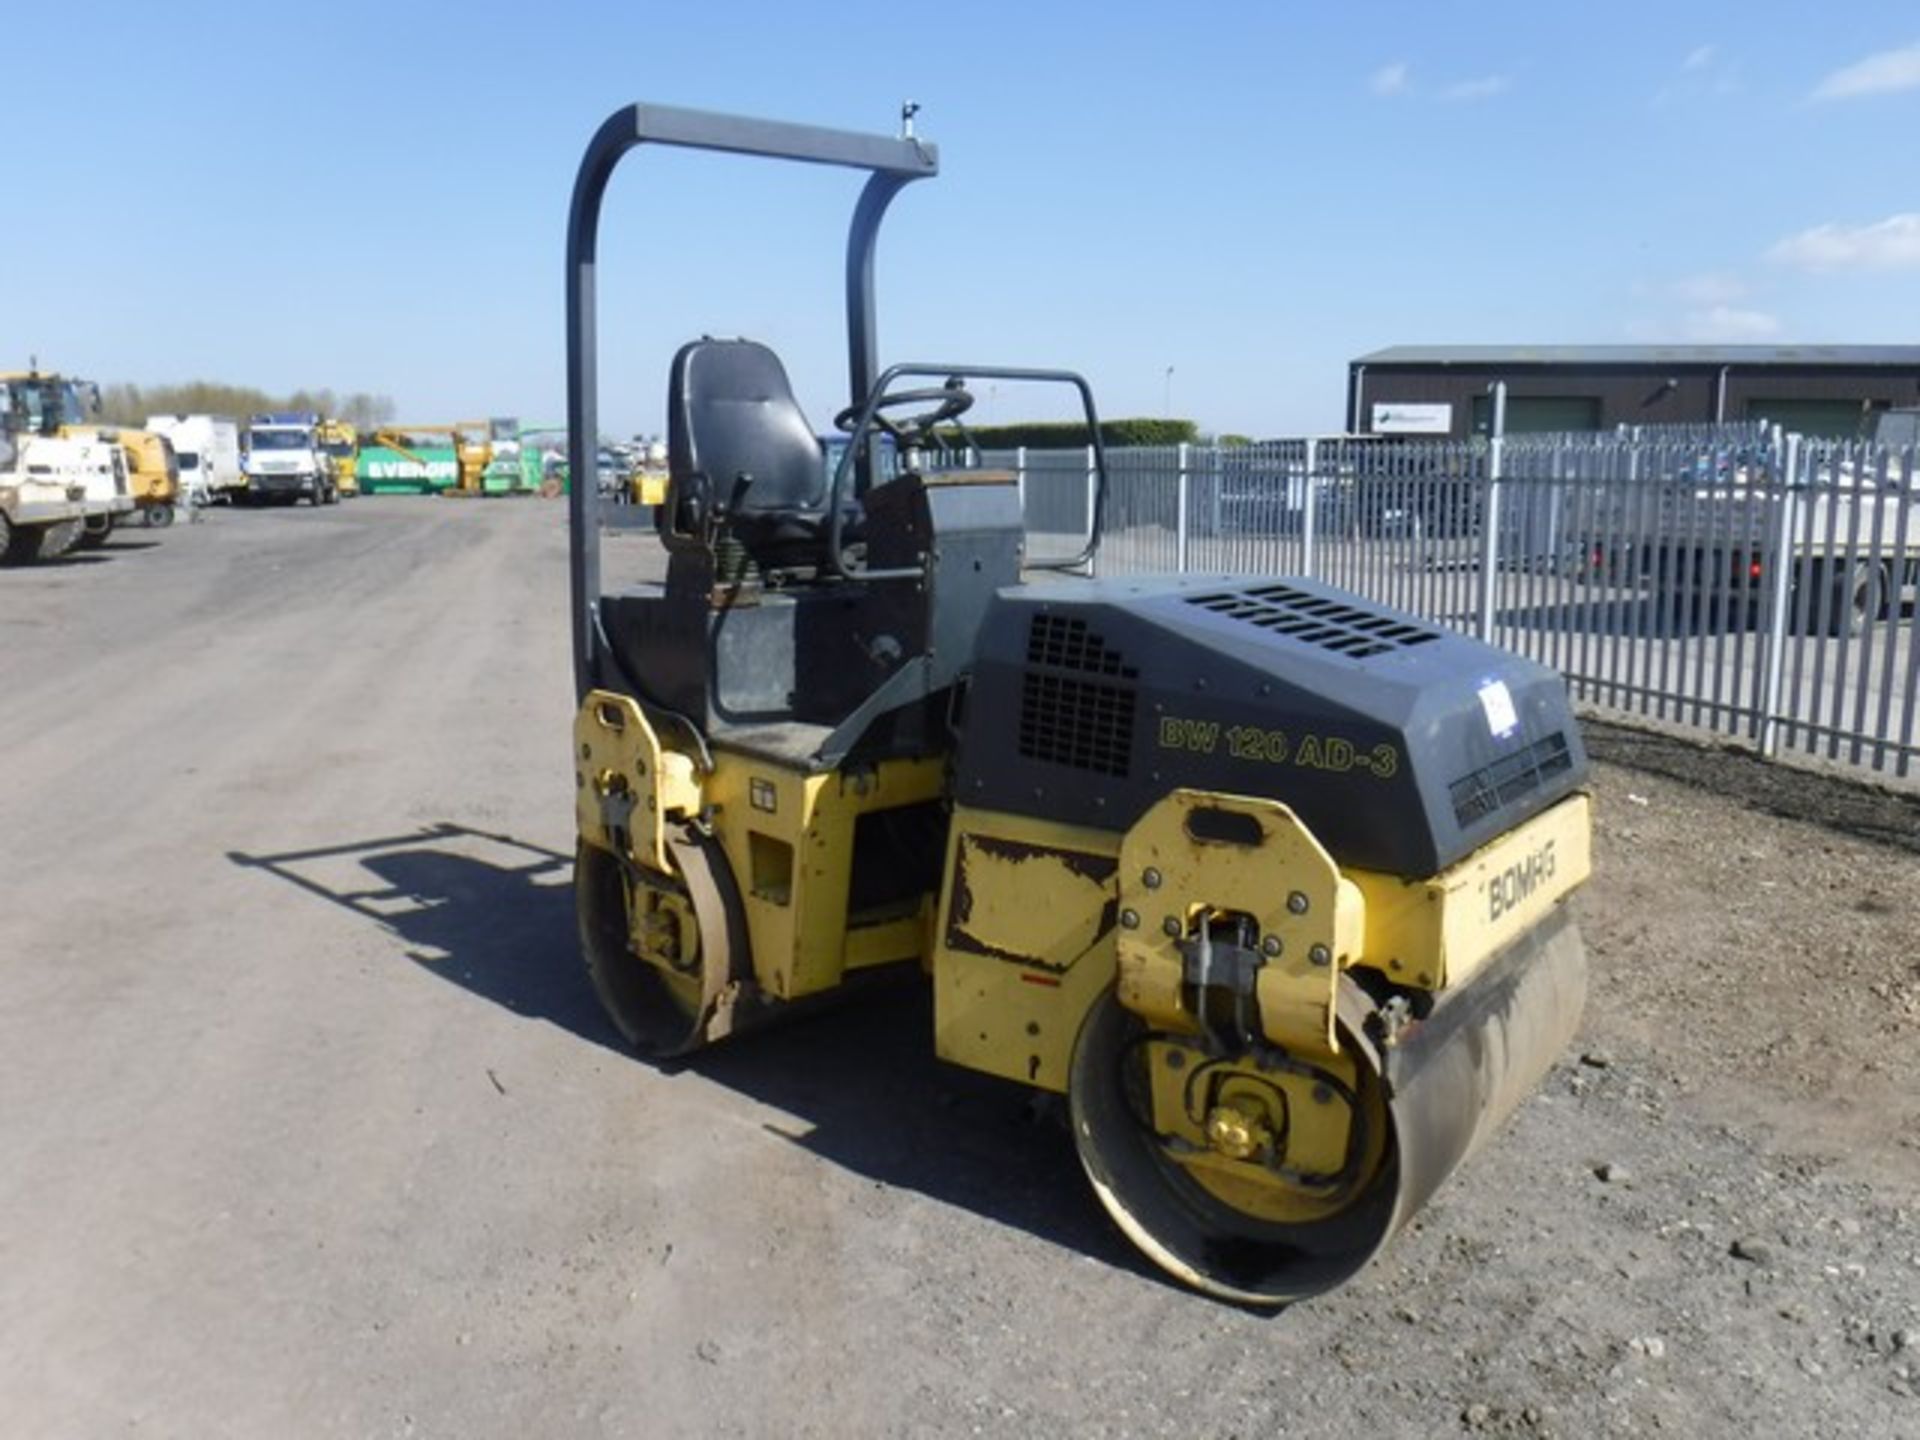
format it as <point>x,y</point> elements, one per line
<point>1052,981</point>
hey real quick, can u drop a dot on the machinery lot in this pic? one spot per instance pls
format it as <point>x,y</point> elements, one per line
<point>314,1127</point>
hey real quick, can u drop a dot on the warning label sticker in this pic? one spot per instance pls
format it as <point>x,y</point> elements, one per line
<point>1497,701</point>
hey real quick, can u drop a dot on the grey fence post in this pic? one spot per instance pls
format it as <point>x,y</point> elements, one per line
<point>1214,486</point>
<point>1490,514</point>
<point>1182,496</point>
<point>1309,508</point>
<point>1782,598</point>
<point>1020,475</point>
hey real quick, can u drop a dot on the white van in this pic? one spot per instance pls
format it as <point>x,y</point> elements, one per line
<point>209,451</point>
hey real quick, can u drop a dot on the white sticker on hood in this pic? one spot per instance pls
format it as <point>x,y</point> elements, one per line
<point>1497,701</point>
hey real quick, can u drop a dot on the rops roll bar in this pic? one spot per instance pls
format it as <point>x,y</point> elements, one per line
<point>892,164</point>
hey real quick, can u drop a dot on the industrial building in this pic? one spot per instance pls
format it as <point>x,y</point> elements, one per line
<point>1825,390</point>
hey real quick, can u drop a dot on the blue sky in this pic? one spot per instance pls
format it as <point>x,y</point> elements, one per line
<point>372,197</point>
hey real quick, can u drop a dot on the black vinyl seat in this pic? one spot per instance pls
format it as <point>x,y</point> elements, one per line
<point>732,417</point>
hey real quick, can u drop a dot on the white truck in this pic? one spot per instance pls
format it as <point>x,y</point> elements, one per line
<point>52,486</point>
<point>285,460</point>
<point>1711,540</point>
<point>208,448</point>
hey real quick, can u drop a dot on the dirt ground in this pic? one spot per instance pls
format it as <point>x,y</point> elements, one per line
<point>312,1128</point>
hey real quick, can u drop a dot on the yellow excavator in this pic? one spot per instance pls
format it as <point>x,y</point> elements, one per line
<point>1266,879</point>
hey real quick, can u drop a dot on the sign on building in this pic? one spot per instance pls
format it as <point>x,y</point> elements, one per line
<point>1405,418</point>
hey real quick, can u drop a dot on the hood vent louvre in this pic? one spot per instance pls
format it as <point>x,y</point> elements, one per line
<point>1316,620</point>
<point>1492,788</point>
<point>1083,723</point>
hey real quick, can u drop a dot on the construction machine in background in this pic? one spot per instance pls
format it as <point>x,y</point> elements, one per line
<point>409,460</point>
<point>543,459</point>
<point>503,473</point>
<point>153,472</point>
<point>466,458</point>
<point>488,454</point>
<point>1266,879</point>
<point>474,452</point>
<point>58,488</point>
<point>340,443</point>
<point>650,474</point>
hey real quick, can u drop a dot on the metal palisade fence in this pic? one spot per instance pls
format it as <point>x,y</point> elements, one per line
<point>1734,579</point>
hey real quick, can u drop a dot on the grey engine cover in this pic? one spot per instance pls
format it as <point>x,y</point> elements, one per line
<point>1403,746</point>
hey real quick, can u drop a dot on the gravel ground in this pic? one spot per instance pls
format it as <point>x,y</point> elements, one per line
<point>312,1127</point>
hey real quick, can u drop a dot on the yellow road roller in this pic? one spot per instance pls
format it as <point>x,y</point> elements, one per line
<point>1265,879</point>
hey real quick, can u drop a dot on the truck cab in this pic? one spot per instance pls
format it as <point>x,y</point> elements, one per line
<point>285,461</point>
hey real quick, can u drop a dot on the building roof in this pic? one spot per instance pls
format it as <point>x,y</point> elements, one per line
<point>1850,356</point>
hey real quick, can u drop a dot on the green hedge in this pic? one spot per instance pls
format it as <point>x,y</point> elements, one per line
<point>1069,434</point>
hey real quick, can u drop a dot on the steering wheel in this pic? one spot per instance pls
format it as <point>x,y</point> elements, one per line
<point>948,402</point>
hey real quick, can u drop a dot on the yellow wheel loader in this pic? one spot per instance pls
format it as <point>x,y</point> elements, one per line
<point>56,491</point>
<point>1267,880</point>
<point>153,470</point>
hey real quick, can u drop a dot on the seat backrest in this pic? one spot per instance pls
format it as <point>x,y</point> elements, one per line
<point>730,411</point>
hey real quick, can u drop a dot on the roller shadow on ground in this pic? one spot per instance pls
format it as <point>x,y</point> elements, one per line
<point>494,916</point>
<point>486,912</point>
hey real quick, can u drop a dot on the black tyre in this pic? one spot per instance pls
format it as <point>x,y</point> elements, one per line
<point>60,538</point>
<point>1859,598</point>
<point>657,1013</point>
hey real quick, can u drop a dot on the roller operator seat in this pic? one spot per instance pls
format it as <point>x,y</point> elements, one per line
<point>731,416</point>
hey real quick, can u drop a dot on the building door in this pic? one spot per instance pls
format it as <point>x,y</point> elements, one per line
<point>1821,419</point>
<point>1539,414</point>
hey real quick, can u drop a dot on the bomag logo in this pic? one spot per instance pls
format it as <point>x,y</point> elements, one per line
<point>1513,886</point>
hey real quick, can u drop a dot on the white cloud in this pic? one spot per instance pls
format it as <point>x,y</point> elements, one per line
<point>1484,88</point>
<point>1889,244</point>
<point>1713,287</point>
<point>1729,324</point>
<point>1390,79</point>
<point>1706,72</point>
<point>1881,74</point>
